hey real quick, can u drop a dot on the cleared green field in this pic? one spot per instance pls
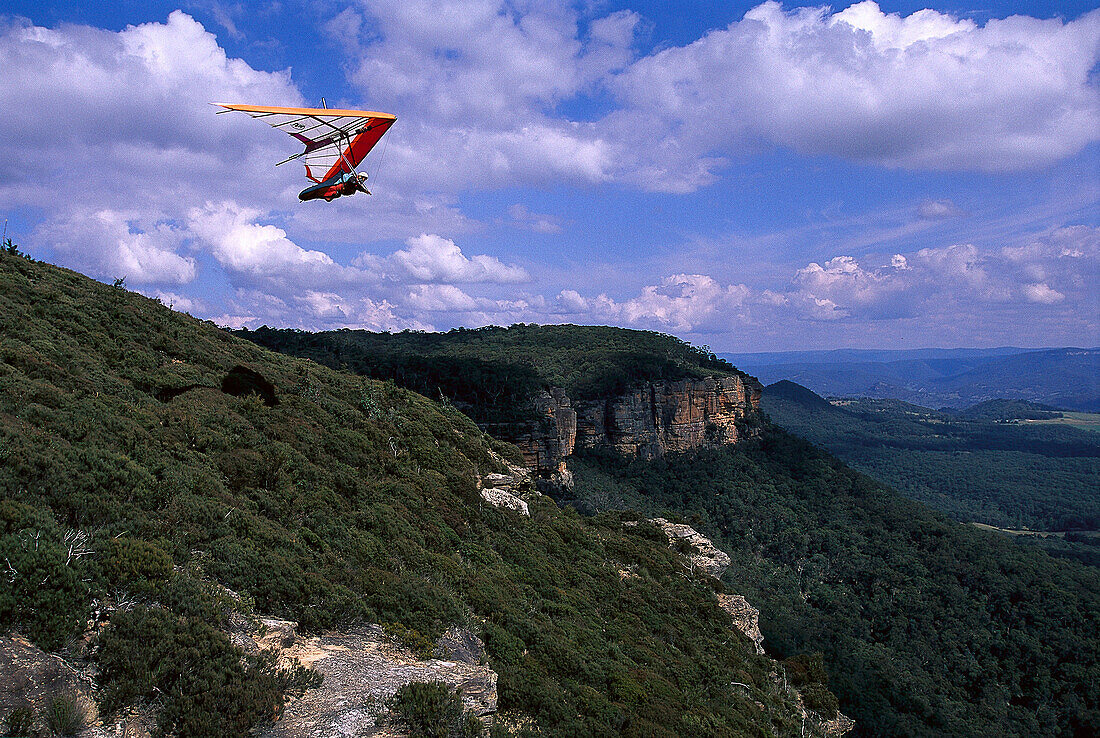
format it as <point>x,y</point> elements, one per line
<point>1084,421</point>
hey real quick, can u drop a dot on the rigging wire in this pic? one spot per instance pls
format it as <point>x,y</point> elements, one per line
<point>381,157</point>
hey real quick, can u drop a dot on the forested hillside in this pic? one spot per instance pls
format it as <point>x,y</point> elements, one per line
<point>974,465</point>
<point>151,459</point>
<point>929,627</point>
<point>181,459</point>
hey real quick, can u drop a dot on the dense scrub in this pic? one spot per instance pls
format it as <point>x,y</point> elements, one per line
<point>491,373</point>
<point>928,627</point>
<point>130,479</point>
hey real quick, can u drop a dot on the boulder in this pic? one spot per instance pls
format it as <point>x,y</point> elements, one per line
<point>507,500</point>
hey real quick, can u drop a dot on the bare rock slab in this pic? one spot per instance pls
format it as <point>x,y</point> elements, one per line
<point>363,668</point>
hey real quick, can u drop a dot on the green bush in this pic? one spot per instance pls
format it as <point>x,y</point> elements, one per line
<point>433,710</point>
<point>129,561</point>
<point>818,698</point>
<point>207,686</point>
<point>52,614</point>
<point>67,715</point>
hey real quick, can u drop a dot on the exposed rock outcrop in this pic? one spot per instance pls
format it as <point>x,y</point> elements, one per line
<point>696,548</point>
<point>838,725</point>
<point>548,440</point>
<point>746,618</point>
<point>508,490</point>
<point>500,498</point>
<point>648,421</point>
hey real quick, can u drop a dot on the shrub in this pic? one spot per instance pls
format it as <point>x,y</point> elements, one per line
<point>19,722</point>
<point>208,686</point>
<point>49,615</point>
<point>67,715</point>
<point>433,710</point>
<point>818,698</point>
<point>129,561</point>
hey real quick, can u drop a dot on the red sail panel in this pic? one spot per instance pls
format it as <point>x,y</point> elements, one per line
<point>360,146</point>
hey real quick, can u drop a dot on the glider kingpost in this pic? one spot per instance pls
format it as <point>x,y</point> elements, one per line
<point>336,143</point>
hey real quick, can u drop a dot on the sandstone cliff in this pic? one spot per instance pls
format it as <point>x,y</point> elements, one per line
<point>648,421</point>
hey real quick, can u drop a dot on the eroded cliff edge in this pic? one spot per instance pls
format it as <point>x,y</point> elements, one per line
<point>648,420</point>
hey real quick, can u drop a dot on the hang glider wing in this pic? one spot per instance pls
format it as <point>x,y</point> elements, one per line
<point>335,140</point>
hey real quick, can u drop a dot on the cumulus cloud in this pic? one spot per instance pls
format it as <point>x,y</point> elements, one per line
<point>240,244</point>
<point>110,244</point>
<point>101,125</point>
<point>680,302</point>
<point>482,83</point>
<point>926,90</point>
<point>1055,267</point>
<point>432,258</point>
<point>936,286</point>
<point>1040,292</point>
<point>478,82</point>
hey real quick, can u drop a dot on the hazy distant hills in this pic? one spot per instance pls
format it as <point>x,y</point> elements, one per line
<point>1067,378</point>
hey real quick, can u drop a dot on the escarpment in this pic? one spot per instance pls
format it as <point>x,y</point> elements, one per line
<point>648,420</point>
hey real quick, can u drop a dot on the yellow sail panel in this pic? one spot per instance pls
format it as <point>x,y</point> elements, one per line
<point>336,112</point>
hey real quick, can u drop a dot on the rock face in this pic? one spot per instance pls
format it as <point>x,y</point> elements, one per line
<point>30,679</point>
<point>546,442</point>
<point>363,668</point>
<point>746,618</point>
<point>650,420</point>
<point>694,547</point>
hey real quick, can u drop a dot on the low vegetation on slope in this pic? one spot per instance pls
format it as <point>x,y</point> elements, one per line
<point>491,373</point>
<point>972,466</point>
<point>147,455</point>
<point>929,627</point>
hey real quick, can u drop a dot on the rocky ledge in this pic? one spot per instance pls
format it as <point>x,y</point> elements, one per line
<point>363,668</point>
<point>696,549</point>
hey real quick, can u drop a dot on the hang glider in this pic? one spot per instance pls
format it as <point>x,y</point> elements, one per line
<point>336,142</point>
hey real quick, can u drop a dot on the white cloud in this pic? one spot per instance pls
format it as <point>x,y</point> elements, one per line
<point>432,258</point>
<point>936,287</point>
<point>938,210</point>
<point>242,245</point>
<point>1042,293</point>
<point>441,298</point>
<point>681,302</point>
<point>101,124</point>
<point>925,90</point>
<point>110,244</point>
<point>484,61</point>
<point>477,83</point>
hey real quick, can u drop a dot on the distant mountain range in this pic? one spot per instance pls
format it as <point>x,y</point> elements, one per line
<point>1066,378</point>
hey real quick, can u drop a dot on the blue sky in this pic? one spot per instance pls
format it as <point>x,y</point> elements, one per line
<point>749,176</point>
